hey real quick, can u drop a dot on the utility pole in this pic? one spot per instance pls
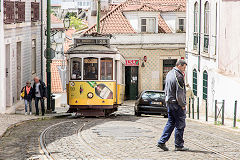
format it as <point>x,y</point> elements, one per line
<point>48,65</point>
<point>98,15</point>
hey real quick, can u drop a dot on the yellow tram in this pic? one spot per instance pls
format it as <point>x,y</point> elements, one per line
<point>95,76</point>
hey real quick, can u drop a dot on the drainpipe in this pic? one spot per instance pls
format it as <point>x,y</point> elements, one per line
<point>42,40</point>
<point>199,37</point>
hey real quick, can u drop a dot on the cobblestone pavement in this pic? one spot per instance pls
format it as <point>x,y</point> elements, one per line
<point>123,136</point>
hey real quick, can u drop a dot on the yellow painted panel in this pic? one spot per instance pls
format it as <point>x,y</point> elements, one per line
<point>91,93</point>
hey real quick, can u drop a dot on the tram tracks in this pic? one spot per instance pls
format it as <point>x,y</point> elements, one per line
<point>48,153</point>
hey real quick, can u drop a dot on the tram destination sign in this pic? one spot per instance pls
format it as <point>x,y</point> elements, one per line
<point>92,41</point>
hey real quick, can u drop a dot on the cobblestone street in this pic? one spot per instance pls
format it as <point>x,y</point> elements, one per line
<point>122,136</point>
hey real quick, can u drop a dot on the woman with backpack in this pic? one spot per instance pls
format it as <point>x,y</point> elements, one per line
<point>27,95</point>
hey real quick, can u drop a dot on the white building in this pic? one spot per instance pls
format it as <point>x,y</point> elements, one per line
<point>213,52</point>
<point>2,63</point>
<point>21,60</point>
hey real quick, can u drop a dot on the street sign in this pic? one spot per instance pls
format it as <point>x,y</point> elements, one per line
<point>52,53</point>
<point>132,62</point>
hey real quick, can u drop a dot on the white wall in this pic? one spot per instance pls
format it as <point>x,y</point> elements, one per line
<point>135,19</point>
<point>2,65</point>
<point>171,18</point>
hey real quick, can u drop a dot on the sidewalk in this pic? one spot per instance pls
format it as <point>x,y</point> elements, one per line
<point>228,123</point>
<point>10,120</point>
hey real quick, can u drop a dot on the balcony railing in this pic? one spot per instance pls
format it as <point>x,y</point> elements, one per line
<point>9,16</point>
<point>20,12</point>
<point>34,11</point>
<point>195,41</point>
<point>14,12</point>
<point>206,43</point>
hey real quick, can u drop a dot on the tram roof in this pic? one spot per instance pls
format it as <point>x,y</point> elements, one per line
<point>92,49</point>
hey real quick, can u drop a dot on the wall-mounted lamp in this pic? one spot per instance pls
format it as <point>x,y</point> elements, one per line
<point>143,65</point>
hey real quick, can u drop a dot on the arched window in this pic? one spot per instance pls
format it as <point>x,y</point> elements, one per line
<point>206,26</point>
<point>205,85</point>
<point>195,82</point>
<point>195,30</point>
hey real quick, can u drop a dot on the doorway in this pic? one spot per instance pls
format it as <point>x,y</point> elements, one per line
<point>168,65</point>
<point>8,97</point>
<point>131,78</point>
<point>19,70</point>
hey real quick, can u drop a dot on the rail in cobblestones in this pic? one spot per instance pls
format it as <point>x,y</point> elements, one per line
<point>43,144</point>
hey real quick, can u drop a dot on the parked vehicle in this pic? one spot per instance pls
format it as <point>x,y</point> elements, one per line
<point>151,102</point>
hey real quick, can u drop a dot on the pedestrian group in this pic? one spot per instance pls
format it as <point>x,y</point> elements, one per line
<point>37,92</point>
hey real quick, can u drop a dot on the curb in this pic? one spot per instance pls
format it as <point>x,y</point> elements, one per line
<point>223,127</point>
<point>33,119</point>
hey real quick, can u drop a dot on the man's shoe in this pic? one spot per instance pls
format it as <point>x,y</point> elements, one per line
<point>30,113</point>
<point>25,113</point>
<point>163,147</point>
<point>181,149</point>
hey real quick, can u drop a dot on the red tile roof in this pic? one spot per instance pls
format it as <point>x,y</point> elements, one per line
<point>114,22</point>
<point>54,19</point>
<point>55,76</point>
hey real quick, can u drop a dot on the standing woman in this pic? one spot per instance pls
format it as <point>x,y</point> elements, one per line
<point>28,94</point>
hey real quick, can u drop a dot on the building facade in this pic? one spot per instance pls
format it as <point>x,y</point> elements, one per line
<point>151,36</point>
<point>213,53</point>
<point>23,44</point>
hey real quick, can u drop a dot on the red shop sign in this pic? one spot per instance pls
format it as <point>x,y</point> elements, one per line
<point>132,62</point>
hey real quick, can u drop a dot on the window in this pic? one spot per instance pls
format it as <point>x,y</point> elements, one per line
<point>195,82</point>
<point>34,11</point>
<point>206,26</point>
<point>90,69</point>
<point>123,73</point>
<point>34,56</point>
<point>20,11</point>
<point>148,25</point>
<point>76,69</point>
<point>205,85</point>
<point>106,69</point>
<point>195,33</point>
<point>181,25</point>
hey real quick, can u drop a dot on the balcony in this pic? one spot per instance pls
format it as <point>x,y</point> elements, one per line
<point>206,43</point>
<point>195,41</point>
<point>14,12</point>
<point>20,12</point>
<point>34,11</point>
<point>9,16</point>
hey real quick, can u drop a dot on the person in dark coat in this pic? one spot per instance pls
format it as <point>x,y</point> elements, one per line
<point>175,92</point>
<point>28,94</point>
<point>39,94</point>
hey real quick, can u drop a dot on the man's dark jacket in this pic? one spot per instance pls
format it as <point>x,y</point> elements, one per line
<point>42,88</point>
<point>29,95</point>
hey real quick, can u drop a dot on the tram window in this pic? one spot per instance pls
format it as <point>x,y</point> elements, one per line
<point>106,69</point>
<point>90,69</point>
<point>76,64</point>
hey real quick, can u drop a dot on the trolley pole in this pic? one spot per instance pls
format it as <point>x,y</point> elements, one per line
<point>192,108</point>
<point>197,107</point>
<point>189,108</point>
<point>223,106</point>
<point>98,15</point>
<point>48,65</point>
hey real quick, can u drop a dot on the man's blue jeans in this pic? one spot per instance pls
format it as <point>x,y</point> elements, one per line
<point>176,119</point>
<point>42,105</point>
<point>26,105</point>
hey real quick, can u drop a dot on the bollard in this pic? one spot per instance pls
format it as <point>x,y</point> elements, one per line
<point>223,105</point>
<point>189,107</point>
<point>197,107</point>
<point>192,108</point>
<point>206,110</point>
<point>235,114</point>
<point>215,117</point>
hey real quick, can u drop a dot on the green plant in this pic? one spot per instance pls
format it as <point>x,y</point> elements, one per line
<point>218,123</point>
<point>77,23</point>
<point>238,120</point>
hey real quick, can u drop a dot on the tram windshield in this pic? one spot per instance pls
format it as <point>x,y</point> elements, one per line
<point>106,69</point>
<point>76,67</point>
<point>90,69</point>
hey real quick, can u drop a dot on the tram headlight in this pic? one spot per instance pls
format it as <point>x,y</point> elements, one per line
<point>90,95</point>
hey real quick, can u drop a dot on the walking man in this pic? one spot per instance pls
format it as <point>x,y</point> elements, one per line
<point>40,94</point>
<point>176,102</point>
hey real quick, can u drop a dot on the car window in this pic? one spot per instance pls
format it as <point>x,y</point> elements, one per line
<point>153,95</point>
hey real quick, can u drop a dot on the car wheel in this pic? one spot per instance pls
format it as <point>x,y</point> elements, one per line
<point>165,116</point>
<point>137,114</point>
